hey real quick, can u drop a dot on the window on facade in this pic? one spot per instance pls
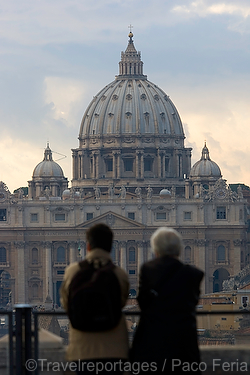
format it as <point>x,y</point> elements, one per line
<point>60,254</point>
<point>244,301</point>
<point>131,254</point>
<point>3,214</point>
<point>131,215</point>
<point>187,254</point>
<point>128,165</point>
<point>34,255</point>
<point>3,256</point>
<point>33,218</point>
<point>166,164</point>
<point>148,162</point>
<point>109,165</point>
<point>161,215</point>
<point>113,254</point>
<point>60,272</point>
<point>91,165</point>
<point>131,272</point>
<point>188,215</point>
<point>221,253</point>
<point>89,215</point>
<point>35,290</point>
<point>59,217</point>
<point>221,213</point>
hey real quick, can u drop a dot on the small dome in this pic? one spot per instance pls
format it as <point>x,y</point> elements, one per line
<point>66,194</point>
<point>47,167</point>
<point>205,167</point>
<point>165,193</point>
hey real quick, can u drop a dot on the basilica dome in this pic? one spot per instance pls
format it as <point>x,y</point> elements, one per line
<point>205,167</point>
<point>131,134</point>
<point>131,104</point>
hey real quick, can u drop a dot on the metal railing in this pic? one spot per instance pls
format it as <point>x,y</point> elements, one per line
<point>21,320</point>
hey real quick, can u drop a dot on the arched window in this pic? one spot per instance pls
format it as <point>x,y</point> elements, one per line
<point>187,254</point>
<point>219,276</point>
<point>113,254</point>
<point>3,258</point>
<point>34,290</point>
<point>34,255</point>
<point>60,254</point>
<point>131,254</point>
<point>221,253</point>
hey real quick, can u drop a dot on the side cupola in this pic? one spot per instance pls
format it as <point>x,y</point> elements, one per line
<point>48,178</point>
<point>204,173</point>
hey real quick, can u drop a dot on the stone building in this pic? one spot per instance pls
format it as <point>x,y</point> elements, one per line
<point>133,172</point>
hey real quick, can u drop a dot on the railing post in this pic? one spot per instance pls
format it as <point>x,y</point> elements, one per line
<point>23,338</point>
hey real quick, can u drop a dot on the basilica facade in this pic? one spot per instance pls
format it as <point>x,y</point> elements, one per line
<point>133,172</point>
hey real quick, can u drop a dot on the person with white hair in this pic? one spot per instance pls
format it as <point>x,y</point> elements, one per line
<point>168,294</point>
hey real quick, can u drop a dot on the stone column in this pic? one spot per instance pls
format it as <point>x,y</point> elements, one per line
<point>38,189</point>
<point>236,256</point>
<point>123,250</point>
<point>137,171</point>
<point>196,188</point>
<point>79,165</point>
<point>140,255</point>
<point>187,190</point>
<point>119,164</point>
<point>48,286</point>
<point>72,252</point>
<point>74,167</point>
<point>159,163</point>
<point>53,189</point>
<point>163,165</point>
<point>20,282</point>
<point>97,155</point>
<point>142,165</point>
<point>180,166</point>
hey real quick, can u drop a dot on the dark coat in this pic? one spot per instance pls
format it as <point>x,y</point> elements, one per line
<point>168,294</point>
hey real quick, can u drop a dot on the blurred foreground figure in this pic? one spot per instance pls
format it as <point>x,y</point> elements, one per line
<point>168,293</point>
<point>93,293</point>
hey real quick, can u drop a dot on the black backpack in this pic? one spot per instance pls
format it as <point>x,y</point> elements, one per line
<point>94,301</point>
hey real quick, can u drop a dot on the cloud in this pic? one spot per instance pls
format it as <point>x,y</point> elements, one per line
<point>64,95</point>
<point>204,8</point>
<point>236,13</point>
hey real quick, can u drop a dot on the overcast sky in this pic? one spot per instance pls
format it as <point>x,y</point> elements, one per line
<point>56,55</point>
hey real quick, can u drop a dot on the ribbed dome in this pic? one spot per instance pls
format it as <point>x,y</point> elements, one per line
<point>47,167</point>
<point>205,167</point>
<point>131,104</point>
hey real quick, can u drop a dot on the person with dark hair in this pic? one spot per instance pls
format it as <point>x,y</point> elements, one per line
<point>168,294</point>
<point>97,351</point>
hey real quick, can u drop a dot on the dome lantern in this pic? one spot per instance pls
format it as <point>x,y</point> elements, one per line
<point>131,64</point>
